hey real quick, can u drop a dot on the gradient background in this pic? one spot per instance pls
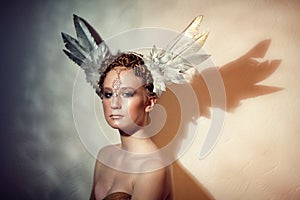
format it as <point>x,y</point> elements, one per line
<point>41,155</point>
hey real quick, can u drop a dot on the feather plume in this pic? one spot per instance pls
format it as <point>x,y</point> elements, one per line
<point>96,37</point>
<point>167,66</point>
<point>74,47</point>
<point>190,31</point>
<point>170,65</point>
<point>88,50</point>
<point>85,38</point>
<point>78,61</point>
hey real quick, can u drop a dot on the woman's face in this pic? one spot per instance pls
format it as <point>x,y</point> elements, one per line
<point>125,107</point>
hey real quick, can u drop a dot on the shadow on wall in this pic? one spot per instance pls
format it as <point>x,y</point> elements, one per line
<point>240,78</point>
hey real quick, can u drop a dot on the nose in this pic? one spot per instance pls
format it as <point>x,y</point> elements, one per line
<point>116,102</point>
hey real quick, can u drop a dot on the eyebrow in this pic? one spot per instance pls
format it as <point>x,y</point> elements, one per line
<point>121,88</point>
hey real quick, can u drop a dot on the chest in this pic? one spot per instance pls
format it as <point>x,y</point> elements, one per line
<point>110,181</point>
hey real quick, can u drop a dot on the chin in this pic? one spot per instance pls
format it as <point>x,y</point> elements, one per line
<point>113,125</point>
<point>127,128</point>
<point>119,126</point>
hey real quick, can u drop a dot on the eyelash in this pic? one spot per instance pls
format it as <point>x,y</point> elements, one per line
<point>108,95</point>
<point>127,94</point>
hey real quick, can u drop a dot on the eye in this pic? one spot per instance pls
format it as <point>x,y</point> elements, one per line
<point>107,95</point>
<point>127,94</point>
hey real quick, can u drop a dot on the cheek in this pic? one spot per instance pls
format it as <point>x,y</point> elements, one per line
<point>106,106</point>
<point>136,107</point>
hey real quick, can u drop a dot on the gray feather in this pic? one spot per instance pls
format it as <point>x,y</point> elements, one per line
<point>88,50</point>
<point>72,57</point>
<point>84,36</point>
<point>73,46</point>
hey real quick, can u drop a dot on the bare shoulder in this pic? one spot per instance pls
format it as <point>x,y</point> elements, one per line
<point>107,150</point>
<point>159,175</point>
<point>107,153</point>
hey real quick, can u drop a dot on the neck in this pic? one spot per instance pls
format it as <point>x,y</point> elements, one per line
<point>137,142</point>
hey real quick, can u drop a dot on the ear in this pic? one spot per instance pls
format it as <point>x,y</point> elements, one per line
<point>152,101</point>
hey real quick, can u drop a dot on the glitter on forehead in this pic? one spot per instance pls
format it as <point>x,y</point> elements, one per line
<point>117,82</point>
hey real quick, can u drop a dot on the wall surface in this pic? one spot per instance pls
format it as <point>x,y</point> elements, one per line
<point>256,156</point>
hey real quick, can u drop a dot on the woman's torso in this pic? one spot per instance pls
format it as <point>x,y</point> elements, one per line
<point>112,184</point>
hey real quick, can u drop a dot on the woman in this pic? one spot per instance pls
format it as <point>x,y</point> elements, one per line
<point>127,95</point>
<point>129,88</point>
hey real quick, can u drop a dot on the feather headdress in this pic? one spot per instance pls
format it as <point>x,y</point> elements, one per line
<point>167,65</point>
<point>89,51</point>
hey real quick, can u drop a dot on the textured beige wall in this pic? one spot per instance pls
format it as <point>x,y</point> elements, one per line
<point>257,156</point>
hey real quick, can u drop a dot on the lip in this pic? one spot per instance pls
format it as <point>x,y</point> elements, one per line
<point>116,116</point>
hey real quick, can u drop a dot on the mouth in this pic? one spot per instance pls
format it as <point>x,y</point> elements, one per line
<point>116,116</point>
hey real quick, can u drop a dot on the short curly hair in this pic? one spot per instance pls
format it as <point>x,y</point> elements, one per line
<point>131,61</point>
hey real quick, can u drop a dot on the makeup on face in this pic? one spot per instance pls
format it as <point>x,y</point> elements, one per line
<point>124,105</point>
<point>124,92</point>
